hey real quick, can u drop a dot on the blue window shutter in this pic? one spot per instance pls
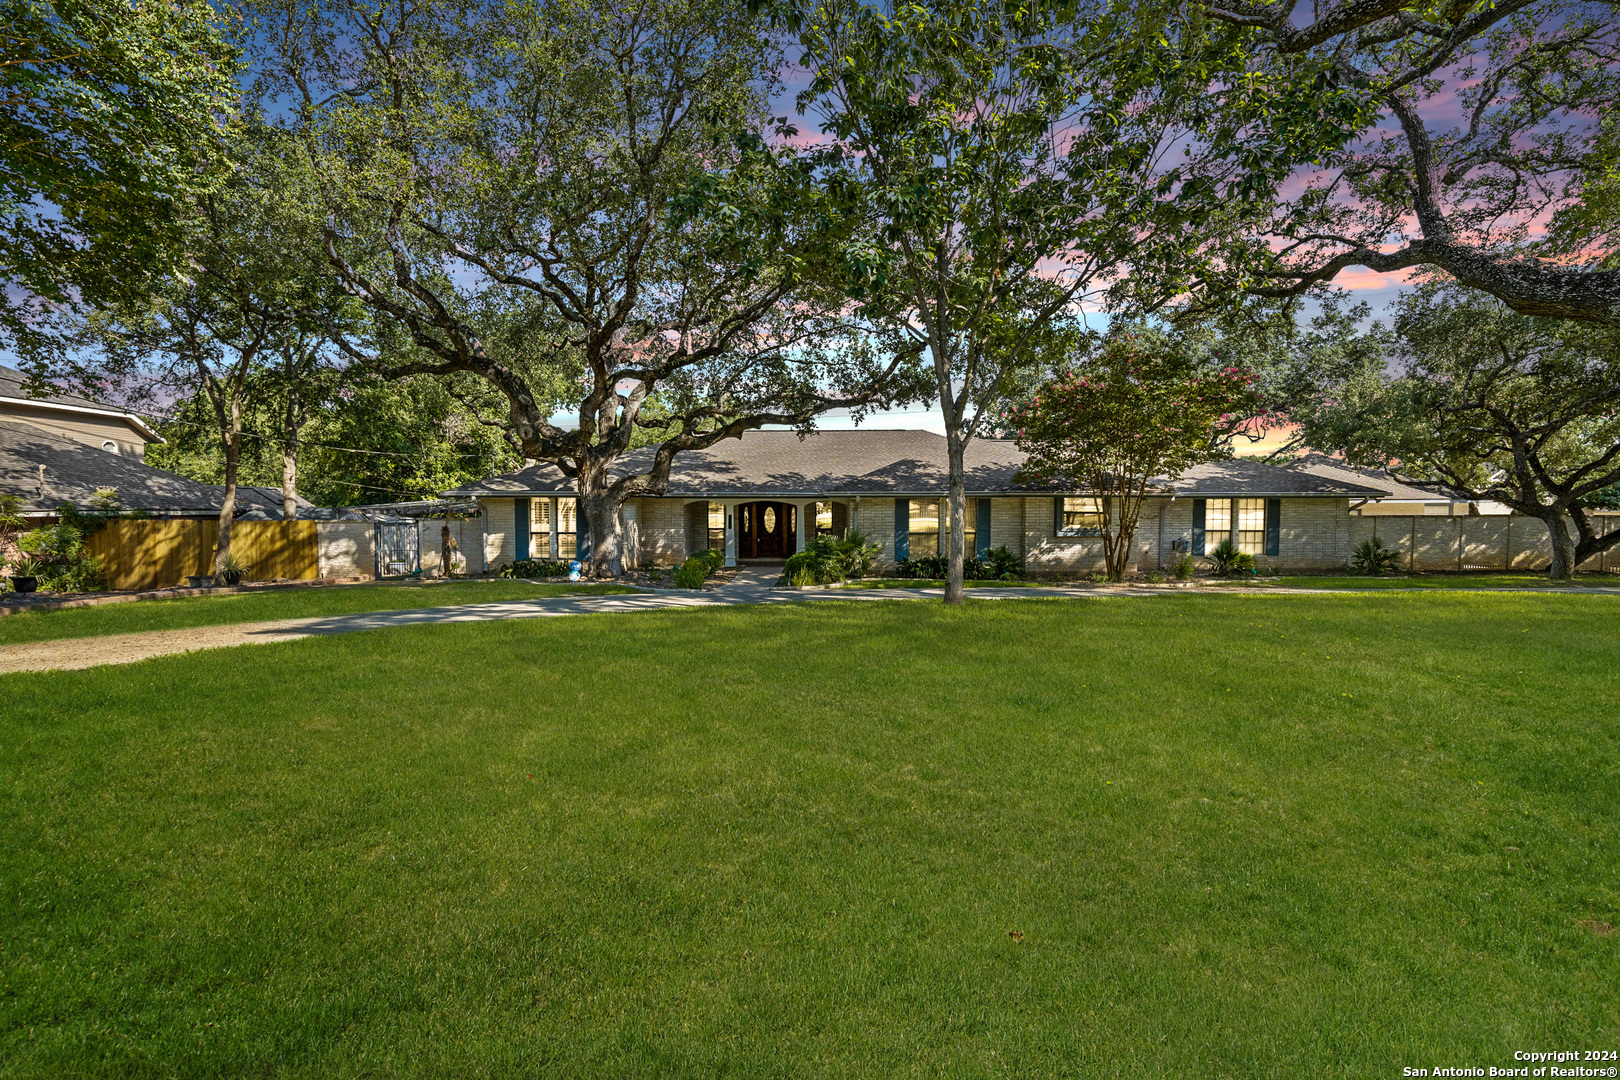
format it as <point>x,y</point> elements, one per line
<point>1198,527</point>
<point>902,529</point>
<point>582,542</point>
<point>520,525</point>
<point>1273,526</point>
<point>982,532</point>
<point>1057,516</point>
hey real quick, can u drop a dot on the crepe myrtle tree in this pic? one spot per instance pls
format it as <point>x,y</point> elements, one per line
<point>1515,409</point>
<point>1126,420</point>
<point>1484,147</point>
<point>604,173</point>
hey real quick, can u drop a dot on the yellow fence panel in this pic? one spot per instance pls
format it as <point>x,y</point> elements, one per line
<point>156,554</point>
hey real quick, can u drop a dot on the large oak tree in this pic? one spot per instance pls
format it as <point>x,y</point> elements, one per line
<point>1485,148</point>
<point>598,174</point>
<point>1521,410</point>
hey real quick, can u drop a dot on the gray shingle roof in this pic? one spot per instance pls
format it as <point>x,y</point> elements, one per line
<point>1398,486</point>
<point>74,470</point>
<point>783,463</point>
<point>14,384</point>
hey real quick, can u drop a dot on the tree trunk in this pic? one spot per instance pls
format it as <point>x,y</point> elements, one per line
<point>1120,540</point>
<point>447,551</point>
<point>227,508</point>
<point>289,458</point>
<point>957,555</point>
<point>607,542</point>
<point>601,510</point>
<point>1563,547</point>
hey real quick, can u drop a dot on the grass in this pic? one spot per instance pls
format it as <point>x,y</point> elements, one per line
<point>937,583</point>
<point>1441,581</point>
<point>311,602</point>
<point>1240,836</point>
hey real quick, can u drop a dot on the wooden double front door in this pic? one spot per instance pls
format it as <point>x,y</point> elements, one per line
<point>766,530</point>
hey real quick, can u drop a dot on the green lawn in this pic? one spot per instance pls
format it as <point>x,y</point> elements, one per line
<point>1241,836</point>
<point>1442,581</point>
<point>937,583</point>
<point>310,602</point>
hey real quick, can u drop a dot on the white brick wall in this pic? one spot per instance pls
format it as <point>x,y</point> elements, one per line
<point>1007,524</point>
<point>466,534</point>
<point>500,543</point>
<point>875,518</point>
<point>346,548</point>
<point>663,531</point>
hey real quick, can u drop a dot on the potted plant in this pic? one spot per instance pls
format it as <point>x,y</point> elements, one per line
<point>235,568</point>
<point>25,575</point>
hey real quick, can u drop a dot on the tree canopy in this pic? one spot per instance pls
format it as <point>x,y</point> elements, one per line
<point>596,180</point>
<point>1475,137</point>
<point>113,113</point>
<point>1138,411</point>
<point>1516,409</point>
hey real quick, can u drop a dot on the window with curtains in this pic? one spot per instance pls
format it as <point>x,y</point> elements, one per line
<point>924,528</point>
<point>540,529</point>
<point>717,526</point>
<point>1251,526</point>
<point>567,530</point>
<point>1081,517</point>
<point>1217,523</point>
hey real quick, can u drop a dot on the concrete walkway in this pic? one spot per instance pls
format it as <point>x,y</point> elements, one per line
<point>751,585</point>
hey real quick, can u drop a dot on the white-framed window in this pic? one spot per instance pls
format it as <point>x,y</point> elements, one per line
<point>717,526</point>
<point>1084,516</point>
<point>567,528</point>
<point>924,528</point>
<point>1218,523</point>
<point>1251,526</point>
<point>540,529</point>
<point>824,519</point>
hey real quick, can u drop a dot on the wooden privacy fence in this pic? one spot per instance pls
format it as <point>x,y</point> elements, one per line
<point>155,554</point>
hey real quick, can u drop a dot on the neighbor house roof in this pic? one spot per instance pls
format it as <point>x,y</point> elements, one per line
<point>14,388</point>
<point>1395,485</point>
<point>784,463</point>
<point>73,471</point>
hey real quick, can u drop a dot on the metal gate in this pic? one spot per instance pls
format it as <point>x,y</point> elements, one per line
<point>399,548</point>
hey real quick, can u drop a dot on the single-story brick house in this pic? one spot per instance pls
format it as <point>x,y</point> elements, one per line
<point>763,496</point>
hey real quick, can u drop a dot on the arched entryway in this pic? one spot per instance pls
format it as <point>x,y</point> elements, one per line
<point>766,530</point>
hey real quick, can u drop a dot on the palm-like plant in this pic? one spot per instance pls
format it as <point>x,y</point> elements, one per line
<point>1372,558</point>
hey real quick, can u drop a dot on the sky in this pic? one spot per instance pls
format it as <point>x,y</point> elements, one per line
<point>1379,291</point>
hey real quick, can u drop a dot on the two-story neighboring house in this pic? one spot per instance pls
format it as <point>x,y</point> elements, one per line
<point>80,419</point>
<point>62,448</point>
